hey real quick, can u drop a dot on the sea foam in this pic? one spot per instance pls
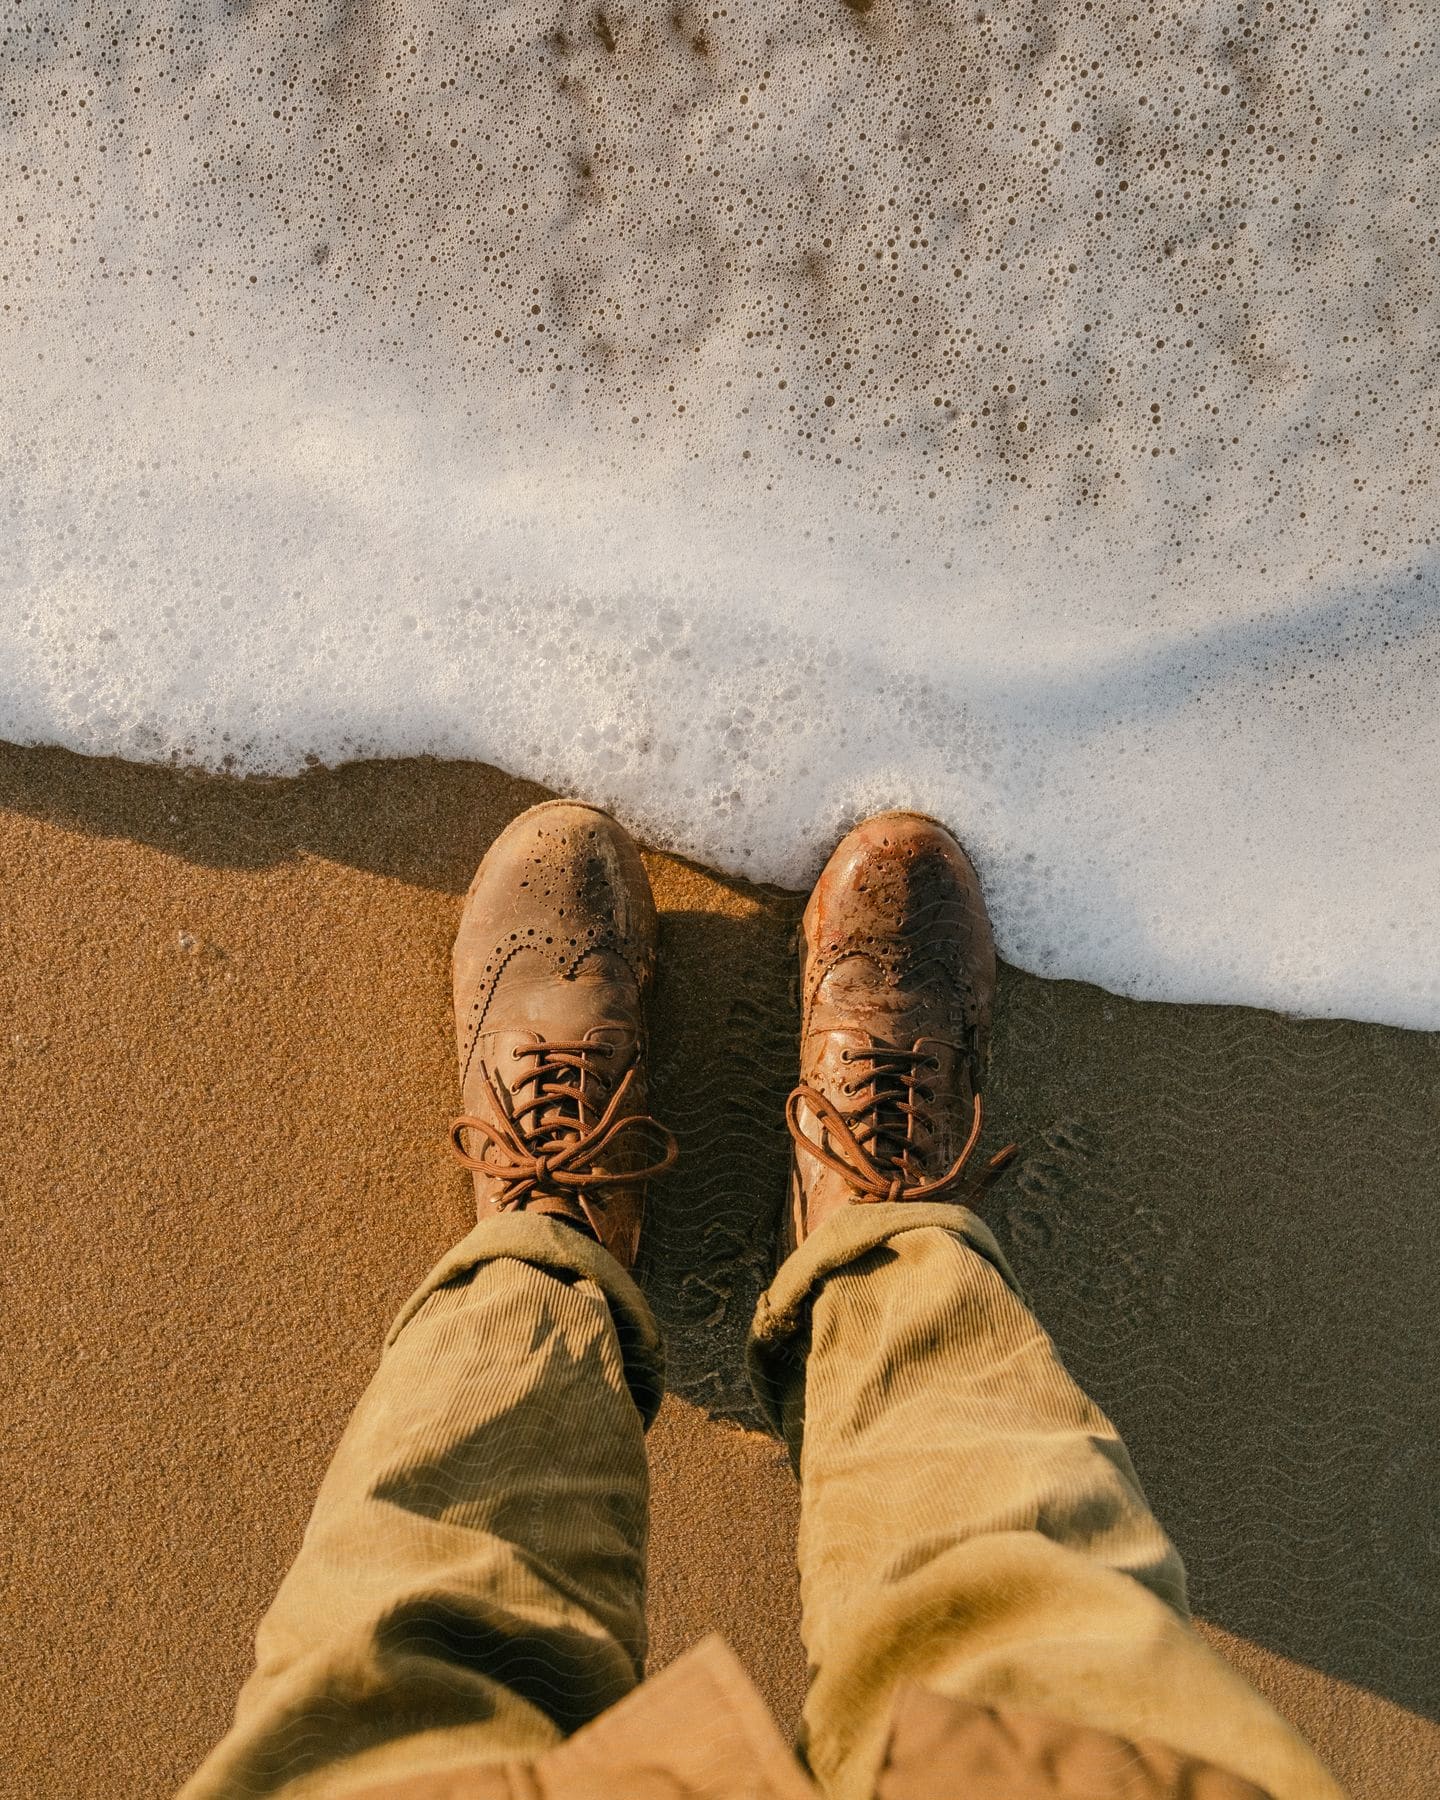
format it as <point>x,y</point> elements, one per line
<point>750,416</point>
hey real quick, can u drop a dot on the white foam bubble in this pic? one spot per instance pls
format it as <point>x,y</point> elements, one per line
<point>749,419</point>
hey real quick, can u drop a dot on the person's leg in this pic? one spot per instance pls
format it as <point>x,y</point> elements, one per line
<point>471,1583</point>
<point>970,1521</point>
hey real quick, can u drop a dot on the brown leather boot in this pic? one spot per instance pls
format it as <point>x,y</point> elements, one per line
<point>897,971</point>
<point>554,955</point>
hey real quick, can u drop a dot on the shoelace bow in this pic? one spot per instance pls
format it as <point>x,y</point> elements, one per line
<point>875,1140</point>
<point>551,1138</point>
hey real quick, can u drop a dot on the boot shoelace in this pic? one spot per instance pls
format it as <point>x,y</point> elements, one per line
<point>876,1144</point>
<point>550,1137</point>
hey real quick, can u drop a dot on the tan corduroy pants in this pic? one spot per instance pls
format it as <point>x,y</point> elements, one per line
<point>471,1583</point>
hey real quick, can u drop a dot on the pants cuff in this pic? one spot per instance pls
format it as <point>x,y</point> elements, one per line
<point>775,1353</point>
<point>532,1238</point>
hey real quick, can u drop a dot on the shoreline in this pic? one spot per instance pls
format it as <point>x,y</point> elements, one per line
<point>228,1069</point>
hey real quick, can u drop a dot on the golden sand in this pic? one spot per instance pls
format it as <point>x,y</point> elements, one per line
<point>227,1074</point>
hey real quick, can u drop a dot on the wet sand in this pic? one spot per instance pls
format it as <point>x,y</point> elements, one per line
<point>227,1073</point>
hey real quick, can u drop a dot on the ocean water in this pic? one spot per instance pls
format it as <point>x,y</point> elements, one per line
<point>751,416</point>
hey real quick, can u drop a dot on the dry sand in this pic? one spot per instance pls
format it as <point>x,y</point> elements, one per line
<point>228,1070</point>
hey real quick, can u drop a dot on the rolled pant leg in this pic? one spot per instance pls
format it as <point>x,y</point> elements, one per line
<point>471,1583</point>
<point>969,1520</point>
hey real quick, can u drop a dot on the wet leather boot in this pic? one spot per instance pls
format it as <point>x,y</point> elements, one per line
<point>552,963</point>
<point>897,970</point>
